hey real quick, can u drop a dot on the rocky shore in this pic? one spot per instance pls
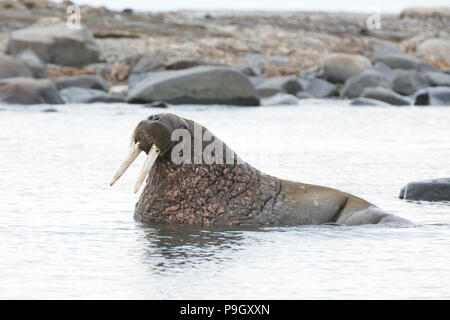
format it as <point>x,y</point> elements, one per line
<point>232,58</point>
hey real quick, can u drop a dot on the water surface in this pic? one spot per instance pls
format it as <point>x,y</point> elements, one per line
<point>64,233</point>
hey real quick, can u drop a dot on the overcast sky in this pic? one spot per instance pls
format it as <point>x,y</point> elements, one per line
<point>393,6</point>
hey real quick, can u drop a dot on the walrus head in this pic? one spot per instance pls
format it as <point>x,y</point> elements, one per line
<point>194,190</point>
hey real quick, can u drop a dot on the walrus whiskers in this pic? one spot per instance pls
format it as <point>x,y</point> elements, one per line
<point>152,155</point>
<point>135,151</point>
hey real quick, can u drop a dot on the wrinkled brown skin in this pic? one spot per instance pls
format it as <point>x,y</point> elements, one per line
<point>240,195</point>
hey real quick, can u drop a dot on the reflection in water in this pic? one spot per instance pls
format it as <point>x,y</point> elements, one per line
<point>172,246</point>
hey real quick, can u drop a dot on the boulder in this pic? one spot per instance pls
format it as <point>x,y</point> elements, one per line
<point>55,43</point>
<point>249,71</point>
<point>386,70</point>
<point>83,95</point>
<point>87,81</point>
<point>355,85</point>
<point>436,79</point>
<point>403,61</point>
<point>361,101</point>
<point>434,96</point>
<point>385,95</point>
<point>147,63</point>
<point>427,190</point>
<point>29,91</point>
<point>256,81</point>
<point>280,99</point>
<point>33,62</point>
<point>10,68</point>
<point>274,85</point>
<point>338,67</point>
<point>197,85</point>
<point>378,47</point>
<point>409,81</point>
<point>319,88</point>
<point>435,50</point>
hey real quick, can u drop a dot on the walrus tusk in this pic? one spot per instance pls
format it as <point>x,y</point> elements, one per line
<point>152,155</point>
<point>135,151</point>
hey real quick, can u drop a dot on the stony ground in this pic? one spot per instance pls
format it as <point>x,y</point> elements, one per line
<point>279,43</point>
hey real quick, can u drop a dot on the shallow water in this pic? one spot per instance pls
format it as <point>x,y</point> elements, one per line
<point>64,233</point>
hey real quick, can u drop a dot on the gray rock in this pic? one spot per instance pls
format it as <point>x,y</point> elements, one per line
<point>386,70</point>
<point>319,88</point>
<point>249,71</point>
<point>436,50</point>
<point>355,85</point>
<point>197,85</point>
<point>403,61</point>
<point>156,104</point>
<point>83,95</point>
<point>339,67</point>
<point>10,68</point>
<point>409,81</point>
<point>378,47</point>
<point>312,72</point>
<point>385,95</point>
<point>87,81</point>
<point>147,63</point>
<point>280,99</point>
<point>256,81</point>
<point>29,91</point>
<point>434,96</point>
<point>56,44</point>
<point>33,62</point>
<point>427,190</point>
<point>436,79</point>
<point>274,85</point>
<point>361,101</point>
<point>136,77</point>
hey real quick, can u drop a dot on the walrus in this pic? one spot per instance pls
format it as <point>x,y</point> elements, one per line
<point>203,182</point>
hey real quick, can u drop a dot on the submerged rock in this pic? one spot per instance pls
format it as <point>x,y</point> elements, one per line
<point>197,85</point>
<point>10,68</point>
<point>434,96</point>
<point>29,91</point>
<point>427,190</point>
<point>339,67</point>
<point>87,81</point>
<point>83,95</point>
<point>56,44</point>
